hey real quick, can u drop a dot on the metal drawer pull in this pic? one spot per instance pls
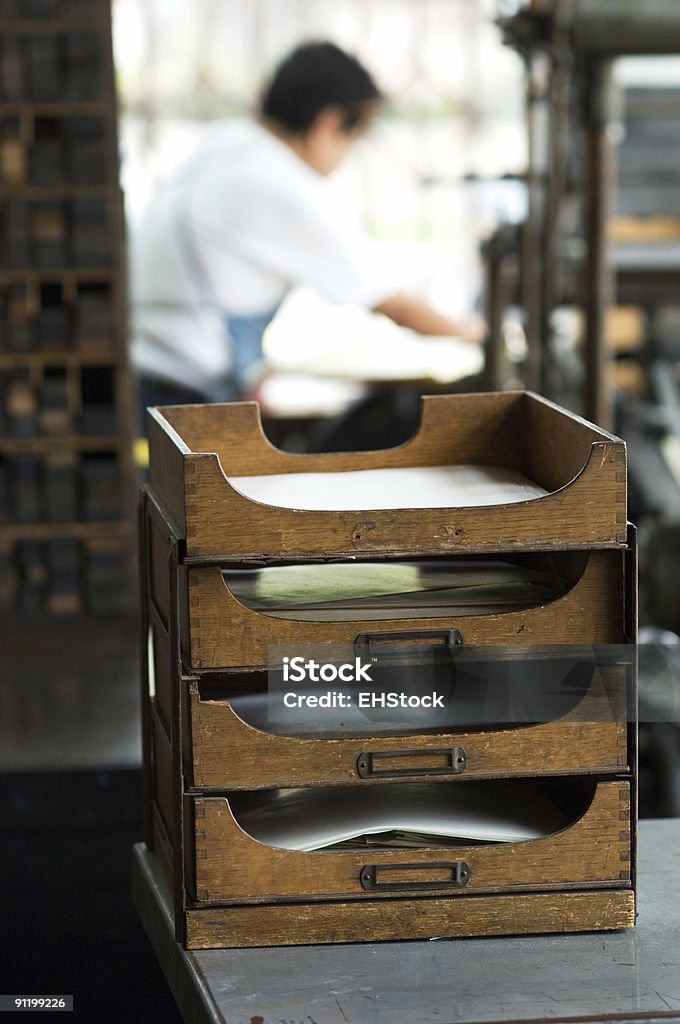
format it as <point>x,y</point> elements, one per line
<point>391,764</point>
<point>370,645</point>
<point>443,875</point>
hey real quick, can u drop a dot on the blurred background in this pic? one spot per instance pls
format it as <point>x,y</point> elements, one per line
<point>526,166</point>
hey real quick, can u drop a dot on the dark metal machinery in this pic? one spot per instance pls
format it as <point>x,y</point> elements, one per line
<point>574,186</point>
<point>568,47</point>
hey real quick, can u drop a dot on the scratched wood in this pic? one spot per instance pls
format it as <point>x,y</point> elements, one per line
<point>230,866</point>
<point>387,920</point>
<point>193,449</point>
<point>224,634</point>
<point>224,752</point>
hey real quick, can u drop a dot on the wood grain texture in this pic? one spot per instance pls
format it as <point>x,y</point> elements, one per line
<point>167,457</point>
<point>226,753</point>
<point>233,867</point>
<point>162,849</point>
<point>224,634</point>
<point>159,547</point>
<point>161,772</point>
<point>583,467</point>
<point>302,924</point>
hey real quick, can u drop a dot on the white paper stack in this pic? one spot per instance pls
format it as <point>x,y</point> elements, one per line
<point>386,590</point>
<point>315,819</point>
<point>405,487</point>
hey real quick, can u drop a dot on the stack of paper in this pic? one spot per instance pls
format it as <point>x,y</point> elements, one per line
<point>387,590</point>
<point>404,487</point>
<point>315,819</point>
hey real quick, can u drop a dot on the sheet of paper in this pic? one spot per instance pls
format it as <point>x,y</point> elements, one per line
<point>406,487</point>
<point>311,335</point>
<point>470,704</point>
<point>312,819</point>
<point>380,590</point>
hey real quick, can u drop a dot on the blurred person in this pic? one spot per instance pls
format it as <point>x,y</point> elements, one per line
<point>244,219</point>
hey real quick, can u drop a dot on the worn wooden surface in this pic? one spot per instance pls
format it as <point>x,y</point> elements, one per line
<point>159,551</point>
<point>226,753</point>
<point>518,914</point>
<point>231,866</point>
<point>167,461</point>
<point>584,468</point>
<point>224,634</point>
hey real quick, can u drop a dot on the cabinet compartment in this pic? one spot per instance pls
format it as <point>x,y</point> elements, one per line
<point>230,866</point>
<point>222,750</point>
<point>220,633</point>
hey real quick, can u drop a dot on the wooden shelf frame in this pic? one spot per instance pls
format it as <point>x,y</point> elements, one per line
<point>92,350</point>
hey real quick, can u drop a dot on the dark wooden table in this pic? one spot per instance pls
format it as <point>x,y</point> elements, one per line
<point>608,976</point>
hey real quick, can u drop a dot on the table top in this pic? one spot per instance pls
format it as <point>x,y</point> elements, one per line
<point>623,976</point>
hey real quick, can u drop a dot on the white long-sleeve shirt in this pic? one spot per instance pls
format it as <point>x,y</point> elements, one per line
<point>229,233</point>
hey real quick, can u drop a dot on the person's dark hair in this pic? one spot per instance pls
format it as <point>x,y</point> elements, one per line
<point>316,76</point>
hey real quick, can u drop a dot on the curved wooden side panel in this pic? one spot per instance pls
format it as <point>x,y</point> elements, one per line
<point>233,867</point>
<point>501,428</point>
<point>488,427</point>
<point>224,634</point>
<point>227,753</point>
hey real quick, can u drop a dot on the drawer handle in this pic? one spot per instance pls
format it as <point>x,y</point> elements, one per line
<point>443,875</point>
<point>370,645</point>
<point>385,764</point>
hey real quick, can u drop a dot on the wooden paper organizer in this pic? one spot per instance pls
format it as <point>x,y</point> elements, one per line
<point>203,647</point>
<point>220,632</point>
<point>232,867</point>
<point>591,738</point>
<point>195,450</point>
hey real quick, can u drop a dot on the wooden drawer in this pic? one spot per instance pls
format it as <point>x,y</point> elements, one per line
<point>229,866</point>
<point>222,751</point>
<point>579,470</point>
<point>221,633</point>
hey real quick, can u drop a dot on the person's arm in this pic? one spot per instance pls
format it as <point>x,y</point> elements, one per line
<point>410,311</point>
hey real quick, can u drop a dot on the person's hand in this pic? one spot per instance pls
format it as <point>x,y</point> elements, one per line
<point>473,328</point>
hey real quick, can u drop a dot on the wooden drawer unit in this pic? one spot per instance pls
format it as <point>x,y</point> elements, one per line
<point>222,751</point>
<point>224,508</point>
<point>219,632</point>
<point>229,865</point>
<point>575,474</point>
